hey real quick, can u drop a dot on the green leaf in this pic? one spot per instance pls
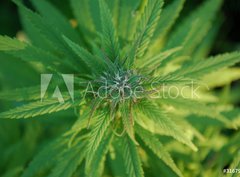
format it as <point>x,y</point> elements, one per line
<point>204,48</point>
<point>155,61</point>
<point>169,15</point>
<point>34,54</point>
<point>195,107</point>
<point>147,26</point>
<point>202,19</point>
<point>197,69</point>
<point>45,158</point>
<point>7,43</point>
<point>163,122</point>
<point>27,93</point>
<point>127,118</point>
<point>95,14</point>
<point>109,38</point>
<point>81,11</point>
<point>31,30</point>
<point>50,14</point>
<point>21,94</point>
<point>127,17</point>
<point>156,146</point>
<point>81,122</point>
<point>52,35</point>
<point>228,75</point>
<point>47,30</point>
<point>68,162</point>
<point>97,134</point>
<point>100,54</point>
<point>235,165</point>
<point>94,63</point>
<point>131,158</point>
<point>96,166</point>
<point>115,159</point>
<point>37,108</point>
<point>14,172</point>
<point>183,122</point>
<point>168,80</point>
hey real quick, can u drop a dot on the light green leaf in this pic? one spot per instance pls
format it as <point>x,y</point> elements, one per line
<point>197,69</point>
<point>131,158</point>
<point>7,43</point>
<point>169,79</point>
<point>156,146</point>
<point>97,134</point>
<point>195,107</point>
<point>163,122</point>
<point>147,26</point>
<point>128,13</point>
<point>228,75</point>
<point>81,11</point>
<point>96,166</point>
<point>235,166</point>
<point>169,15</point>
<point>155,61</point>
<point>37,108</point>
<point>127,118</point>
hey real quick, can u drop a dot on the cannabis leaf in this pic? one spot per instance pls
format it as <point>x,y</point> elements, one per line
<point>147,26</point>
<point>109,39</point>
<point>154,144</point>
<point>164,122</point>
<point>98,133</point>
<point>37,108</point>
<point>7,43</point>
<point>131,157</point>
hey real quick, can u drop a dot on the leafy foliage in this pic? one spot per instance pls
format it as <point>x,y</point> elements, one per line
<point>147,26</point>
<point>10,44</point>
<point>131,158</point>
<point>134,63</point>
<point>154,144</point>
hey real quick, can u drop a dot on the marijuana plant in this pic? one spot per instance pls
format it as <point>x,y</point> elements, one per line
<point>140,79</point>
